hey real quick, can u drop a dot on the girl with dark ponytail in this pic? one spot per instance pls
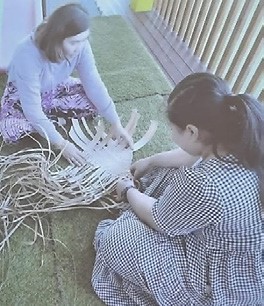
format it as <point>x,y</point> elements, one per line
<point>192,233</point>
<point>233,121</point>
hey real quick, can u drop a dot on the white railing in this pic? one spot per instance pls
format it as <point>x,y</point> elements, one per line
<point>226,35</point>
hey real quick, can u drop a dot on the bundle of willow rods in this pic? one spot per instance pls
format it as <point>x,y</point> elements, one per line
<point>33,182</point>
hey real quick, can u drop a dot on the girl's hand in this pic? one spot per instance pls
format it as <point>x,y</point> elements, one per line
<point>121,134</point>
<point>72,154</point>
<point>140,168</point>
<point>121,186</point>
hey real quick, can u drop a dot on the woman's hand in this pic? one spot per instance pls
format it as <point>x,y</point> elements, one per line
<point>121,134</point>
<point>72,154</point>
<point>121,186</point>
<point>140,168</point>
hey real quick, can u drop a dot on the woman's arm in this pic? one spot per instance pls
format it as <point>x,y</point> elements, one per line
<point>32,109</point>
<point>96,91</point>
<point>26,70</point>
<point>94,87</point>
<point>28,85</point>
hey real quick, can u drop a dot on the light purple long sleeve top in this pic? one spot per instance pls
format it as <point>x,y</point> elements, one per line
<point>32,73</point>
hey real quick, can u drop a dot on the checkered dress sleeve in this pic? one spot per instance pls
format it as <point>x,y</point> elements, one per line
<point>190,202</point>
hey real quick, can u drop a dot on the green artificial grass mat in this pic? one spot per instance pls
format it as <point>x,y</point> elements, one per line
<point>124,63</point>
<point>74,233</point>
<point>28,272</point>
<point>60,274</point>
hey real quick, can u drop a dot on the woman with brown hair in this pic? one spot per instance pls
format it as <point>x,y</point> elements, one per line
<point>40,89</point>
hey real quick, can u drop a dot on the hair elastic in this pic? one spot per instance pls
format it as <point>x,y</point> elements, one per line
<point>231,105</point>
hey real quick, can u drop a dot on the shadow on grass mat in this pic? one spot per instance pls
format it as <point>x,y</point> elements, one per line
<point>59,273</point>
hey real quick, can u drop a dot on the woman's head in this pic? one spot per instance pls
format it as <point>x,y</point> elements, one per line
<point>63,32</point>
<point>204,104</point>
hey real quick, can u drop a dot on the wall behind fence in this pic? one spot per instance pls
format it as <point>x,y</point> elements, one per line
<point>226,35</point>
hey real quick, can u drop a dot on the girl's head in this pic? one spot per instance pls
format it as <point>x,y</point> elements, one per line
<point>205,115</point>
<point>62,34</point>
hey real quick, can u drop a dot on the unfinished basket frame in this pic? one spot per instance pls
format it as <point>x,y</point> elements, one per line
<point>33,182</point>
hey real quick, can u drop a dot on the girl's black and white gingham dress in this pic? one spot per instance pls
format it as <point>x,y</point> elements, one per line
<point>209,250</point>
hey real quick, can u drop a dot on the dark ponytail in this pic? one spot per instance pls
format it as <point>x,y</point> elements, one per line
<point>234,121</point>
<point>250,146</point>
<point>248,128</point>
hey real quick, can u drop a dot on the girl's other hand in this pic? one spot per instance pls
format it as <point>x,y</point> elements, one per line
<point>119,132</point>
<point>140,168</point>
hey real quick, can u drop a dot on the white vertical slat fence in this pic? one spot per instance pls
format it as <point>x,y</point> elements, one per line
<point>226,35</point>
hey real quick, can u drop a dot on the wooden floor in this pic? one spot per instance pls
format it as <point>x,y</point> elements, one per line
<point>173,56</point>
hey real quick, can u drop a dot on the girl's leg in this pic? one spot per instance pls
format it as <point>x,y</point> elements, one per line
<point>117,275</point>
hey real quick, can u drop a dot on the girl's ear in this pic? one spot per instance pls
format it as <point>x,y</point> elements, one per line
<point>192,131</point>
